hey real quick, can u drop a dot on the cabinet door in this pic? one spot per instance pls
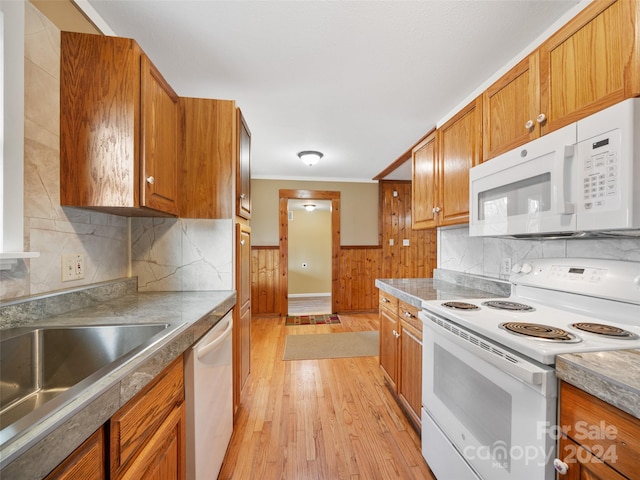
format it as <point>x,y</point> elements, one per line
<point>243,174</point>
<point>459,149</point>
<point>160,134</point>
<point>582,465</point>
<point>424,158</point>
<point>164,455</point>
<point>242,326</point>
<point>510,107</point>
<point>389,327</point>
<point>99,118</point>
<point>410,381</point>
<point>85,463</point>
<point>583,65</point>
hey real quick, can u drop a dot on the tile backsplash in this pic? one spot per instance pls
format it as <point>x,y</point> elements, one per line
<point>483,255</point>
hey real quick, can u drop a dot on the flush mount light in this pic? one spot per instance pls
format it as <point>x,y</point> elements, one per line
<point>309,207</point>
<point>310,157</point>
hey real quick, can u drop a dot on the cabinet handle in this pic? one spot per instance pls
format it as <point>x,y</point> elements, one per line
<point>151,180</point>
<point>529,125</point>
<point>243,196</point>
<point>541,118</point>
<point>561,467</point>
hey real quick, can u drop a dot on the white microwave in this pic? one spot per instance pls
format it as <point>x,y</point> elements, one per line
<point>580,180</point>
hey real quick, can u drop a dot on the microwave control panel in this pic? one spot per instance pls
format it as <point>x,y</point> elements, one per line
<point>599,158</point>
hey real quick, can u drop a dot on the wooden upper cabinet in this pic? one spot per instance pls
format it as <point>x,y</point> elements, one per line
<point>215,181</point>
<point>119,125</point>
<point>510,107</point>
<point>590,63</point>
<point>243,167</point>
<point>424,160</point>
<point>459,149</point>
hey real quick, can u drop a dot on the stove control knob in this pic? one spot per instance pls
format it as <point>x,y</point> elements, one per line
<point>517,268</point>
<point>526,268</point>
<point>561,467</point>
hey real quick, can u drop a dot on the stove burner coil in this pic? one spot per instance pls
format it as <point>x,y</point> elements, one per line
<point>508,305</point>
<point>606,330</point>
<point>461,306</point>
<point>539,332</point>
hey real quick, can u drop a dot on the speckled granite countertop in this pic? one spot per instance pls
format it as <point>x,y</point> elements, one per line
<point>42,447</point>
<point>612,376</point>
<point>446,285</point>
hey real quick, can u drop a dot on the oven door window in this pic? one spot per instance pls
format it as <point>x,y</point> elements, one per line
<point>500,425</point>
<point>455,383</point>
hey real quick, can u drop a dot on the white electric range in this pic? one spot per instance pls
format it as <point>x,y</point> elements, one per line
<point>489,386</point>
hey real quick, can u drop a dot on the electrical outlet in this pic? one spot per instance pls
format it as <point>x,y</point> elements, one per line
<point>72,267</point>
<point>505,266</point>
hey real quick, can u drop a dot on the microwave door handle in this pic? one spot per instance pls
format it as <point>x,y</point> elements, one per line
<point>563,206</point>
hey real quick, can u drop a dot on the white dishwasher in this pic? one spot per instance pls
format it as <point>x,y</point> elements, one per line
<point>209,401</point>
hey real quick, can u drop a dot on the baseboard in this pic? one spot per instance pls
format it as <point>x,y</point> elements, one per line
<point>302,295</point>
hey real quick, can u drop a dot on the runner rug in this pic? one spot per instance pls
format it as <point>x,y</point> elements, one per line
<point>331,345</point>
<point>320,319</point>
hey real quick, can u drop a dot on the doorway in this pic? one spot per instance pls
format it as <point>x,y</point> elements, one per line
<point>312,195</point>
<point>309,257</point>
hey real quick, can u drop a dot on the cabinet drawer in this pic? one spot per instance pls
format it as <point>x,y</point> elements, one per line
<point>389,302</point>
<point>134,423</point>
<point>603,429</point>
<point>409,314</point>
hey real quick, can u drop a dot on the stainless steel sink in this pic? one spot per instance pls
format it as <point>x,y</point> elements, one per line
<point>41,365</point>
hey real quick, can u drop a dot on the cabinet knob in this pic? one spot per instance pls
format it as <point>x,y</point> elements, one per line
<point>541,118</point>
<point>529,125</point>
<point>408,314</point>
<point>151,180</point>
<point>242,242</point>
<point>396,334</point>
<point>561,467</point>
<point>436,209</point>
<point>243,196</point>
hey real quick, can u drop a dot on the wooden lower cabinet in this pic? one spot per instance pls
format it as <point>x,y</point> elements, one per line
<point>163,455</point>
<point>599,441</point>
<point>85,463</point>
<point>147,435</point>
<point>401,354</point>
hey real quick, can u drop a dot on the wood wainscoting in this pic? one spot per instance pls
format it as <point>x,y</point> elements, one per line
<point>358,267</point>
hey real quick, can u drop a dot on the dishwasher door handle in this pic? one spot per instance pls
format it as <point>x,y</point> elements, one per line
<point>204,350</point>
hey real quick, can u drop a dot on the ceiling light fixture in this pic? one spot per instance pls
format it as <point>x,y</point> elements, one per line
<point>309,207</point>
<point>310,157</point>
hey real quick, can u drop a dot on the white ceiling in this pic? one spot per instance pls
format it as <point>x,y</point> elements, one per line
<point>361,81</point>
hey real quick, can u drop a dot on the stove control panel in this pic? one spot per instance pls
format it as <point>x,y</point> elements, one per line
<point>612,279</point>
<point>578,274</point>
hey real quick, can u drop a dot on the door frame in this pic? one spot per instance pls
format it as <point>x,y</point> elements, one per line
<point>285,196</point>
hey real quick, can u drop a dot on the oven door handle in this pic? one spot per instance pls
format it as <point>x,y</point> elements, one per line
<point>500,358</point>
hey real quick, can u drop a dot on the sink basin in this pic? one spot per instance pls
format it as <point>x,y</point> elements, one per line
<point>39,365</point>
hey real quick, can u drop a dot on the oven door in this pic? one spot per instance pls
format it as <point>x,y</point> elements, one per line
<point>526,191</point>
<point>496,424</point>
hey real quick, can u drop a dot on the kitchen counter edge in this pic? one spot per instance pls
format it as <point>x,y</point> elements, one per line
<point>35,453</point>
<point>445,285</point>
<point>612,376</point>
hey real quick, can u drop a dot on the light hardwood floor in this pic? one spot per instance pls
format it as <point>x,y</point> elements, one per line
<point>319,419</point>
<point>309,305</point>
